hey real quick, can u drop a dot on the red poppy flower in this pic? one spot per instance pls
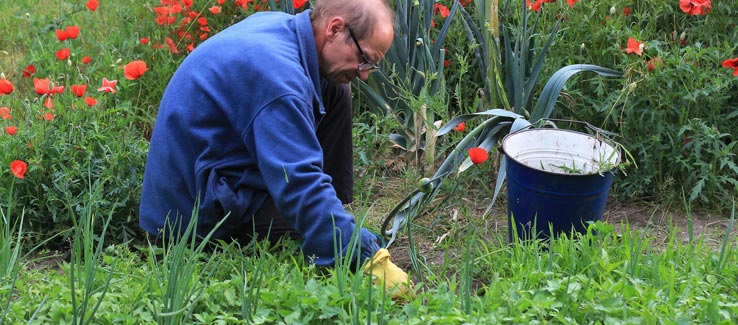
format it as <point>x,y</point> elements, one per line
<point>626,11</point>
<point>42,86</point>
<point>48,103</point>
<point>62,35</point>
<point>571,2</point>
<point>144,40</point>
<point>108,86</point>
<point>651,63</point>
<point>48,116</point>
<point>695,7</point>
<point>134,69</point>
<point>241,3</point>
<point>221,2</point>
<point>29,71</point>
<point>634,46</point>
<point>92,5</point>
<point>172,46</point>
<point>732,64</point>
<point>90,101</point>
<point>86,59</point>
<point>478,155</point>
<point>214,10</point>
<point>5,86</point>
<point>441,9</point>
<point>465,3</point>
<point>72,31</point>
<point>298,3</point>
<point>461,127</point>
<point>5,113</point>
<point>18,168</point>
<point>536,6</point>
<point>63,54</point>
<point>11,130</point>
<point>78,90</point>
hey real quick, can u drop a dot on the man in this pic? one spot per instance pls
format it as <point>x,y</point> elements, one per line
<point>255,125</point>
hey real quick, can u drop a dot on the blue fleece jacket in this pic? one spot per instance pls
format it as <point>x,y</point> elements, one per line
<point>236,123</point>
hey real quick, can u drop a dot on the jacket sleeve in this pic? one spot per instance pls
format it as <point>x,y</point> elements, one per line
<point>290,160</point>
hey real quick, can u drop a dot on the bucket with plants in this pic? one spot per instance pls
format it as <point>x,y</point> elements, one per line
<point>512,61</point>
<point>557,180</point>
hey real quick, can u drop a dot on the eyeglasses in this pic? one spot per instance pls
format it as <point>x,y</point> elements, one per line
<point>364,65</point>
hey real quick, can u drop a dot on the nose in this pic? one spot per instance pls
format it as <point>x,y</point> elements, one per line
<point>364,75</point>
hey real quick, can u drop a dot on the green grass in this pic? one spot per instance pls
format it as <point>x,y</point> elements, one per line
<point>85,167</point>
<point>608,277</point>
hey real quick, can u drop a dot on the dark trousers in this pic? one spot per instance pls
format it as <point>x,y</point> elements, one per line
<point>334,135</point>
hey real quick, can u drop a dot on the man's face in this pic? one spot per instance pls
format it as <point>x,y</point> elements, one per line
<point>345,57</point>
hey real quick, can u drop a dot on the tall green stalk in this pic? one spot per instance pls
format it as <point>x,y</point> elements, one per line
<point>726,250</point>
<point>10,248</point>
<point>87,248</point>
<point>251,280</point>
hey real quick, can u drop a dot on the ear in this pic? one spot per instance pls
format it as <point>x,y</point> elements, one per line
<point>334,27</point>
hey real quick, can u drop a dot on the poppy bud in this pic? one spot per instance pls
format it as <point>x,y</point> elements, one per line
<point>612,10</point>
<point>581,47</point>
<point>480,93</point>
<point>683,36</point>
<point>425,185</point>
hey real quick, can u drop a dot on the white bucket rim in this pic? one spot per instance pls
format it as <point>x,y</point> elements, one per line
<point>584,156</point>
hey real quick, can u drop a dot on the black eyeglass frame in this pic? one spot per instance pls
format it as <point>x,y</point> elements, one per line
<point>365,65</point>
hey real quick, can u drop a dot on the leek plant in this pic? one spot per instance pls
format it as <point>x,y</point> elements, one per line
<point>516,65</point>
<point>10,249</point>
<point>86,257</point>
<point>181,272</point>
<point>411,85</point>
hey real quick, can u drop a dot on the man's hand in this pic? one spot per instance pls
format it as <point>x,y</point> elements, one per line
<point>384,271</point>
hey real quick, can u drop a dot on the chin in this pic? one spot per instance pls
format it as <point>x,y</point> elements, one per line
<point>342,78</point>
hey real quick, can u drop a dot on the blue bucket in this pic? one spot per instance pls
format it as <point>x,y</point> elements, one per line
<point>557,181</point>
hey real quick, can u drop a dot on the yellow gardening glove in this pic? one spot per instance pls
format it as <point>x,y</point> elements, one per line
<point>384,271</point>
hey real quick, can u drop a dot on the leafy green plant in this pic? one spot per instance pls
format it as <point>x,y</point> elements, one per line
<point>523,64</point>
<point>411,85</point>
<point>677,78</point>
<point>708,162</point>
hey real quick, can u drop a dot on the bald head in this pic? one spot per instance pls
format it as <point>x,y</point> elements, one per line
<point>364,16</point>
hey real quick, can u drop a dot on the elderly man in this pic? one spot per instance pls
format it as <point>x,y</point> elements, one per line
<point>255,125</point>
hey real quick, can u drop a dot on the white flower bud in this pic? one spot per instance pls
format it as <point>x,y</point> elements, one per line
<point>641,47</point>
<point>581,47</point>
<point>612,10</point>
<point>683,36</point>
